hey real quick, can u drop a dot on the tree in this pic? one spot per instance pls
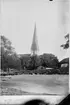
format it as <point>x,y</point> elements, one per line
<point>34,62</point>
<point>9,58</point>
<point>4,64</point>
<point>14,62</point>
<point>66,60</point>
<point>66,45</point>
<point>49,60</point>
<point>30,62</point>
<point>25,58</point>
<point>6,48</point>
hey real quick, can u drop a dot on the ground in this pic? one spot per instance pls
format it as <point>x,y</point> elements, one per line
<point>34,84</point>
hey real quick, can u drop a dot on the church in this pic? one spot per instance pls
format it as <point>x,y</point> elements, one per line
<point>34,46</point>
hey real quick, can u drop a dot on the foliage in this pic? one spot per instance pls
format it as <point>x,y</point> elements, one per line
<point>14,62</point>
<point>24,60</point>
<point>66,45</point>
<point>34,62</point>
<point>49,60</point>
<point>45,71</point>
<point>9,58</point>
<point>38,64</point>
<point>29,62</point>
<point>6,46</point>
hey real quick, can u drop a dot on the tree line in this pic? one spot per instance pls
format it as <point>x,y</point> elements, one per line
<point>25,62</point>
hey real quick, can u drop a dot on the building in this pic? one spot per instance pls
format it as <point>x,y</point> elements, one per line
<point>34,46</point>
<point>64,62</point>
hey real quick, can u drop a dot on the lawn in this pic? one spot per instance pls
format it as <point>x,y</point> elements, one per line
<point>34,84</point>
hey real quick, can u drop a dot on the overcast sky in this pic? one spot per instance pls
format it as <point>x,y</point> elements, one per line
<point>18,18</point>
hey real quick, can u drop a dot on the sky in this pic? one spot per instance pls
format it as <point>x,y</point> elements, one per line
<point>18,18</point>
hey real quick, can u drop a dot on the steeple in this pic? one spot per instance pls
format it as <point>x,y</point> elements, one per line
<point>34,46</point>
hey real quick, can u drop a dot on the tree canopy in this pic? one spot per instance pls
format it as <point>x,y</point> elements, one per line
<point>9,58</point>
<point>66,45</point>
<point>49,60</point>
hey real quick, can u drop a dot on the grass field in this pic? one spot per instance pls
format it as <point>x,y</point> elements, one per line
<point>34,84</point>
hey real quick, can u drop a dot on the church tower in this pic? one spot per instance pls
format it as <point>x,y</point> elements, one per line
<point>34,46</point>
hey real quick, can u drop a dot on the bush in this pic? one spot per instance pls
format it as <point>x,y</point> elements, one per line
<point>4,73</point>
<point>47,71</point>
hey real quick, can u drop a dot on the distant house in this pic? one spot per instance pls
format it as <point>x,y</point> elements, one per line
<point>64,62</point>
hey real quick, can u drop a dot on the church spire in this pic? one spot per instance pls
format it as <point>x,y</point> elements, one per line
<point>34,47</point>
